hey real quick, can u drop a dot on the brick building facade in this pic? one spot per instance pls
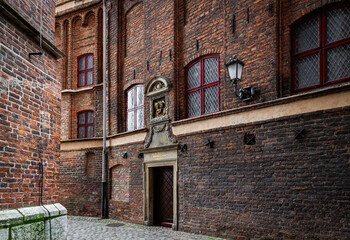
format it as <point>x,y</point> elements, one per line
<point>183,150</point>
<point>29,105</point>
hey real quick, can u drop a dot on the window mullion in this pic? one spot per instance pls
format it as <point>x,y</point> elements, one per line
<point>202,104</point>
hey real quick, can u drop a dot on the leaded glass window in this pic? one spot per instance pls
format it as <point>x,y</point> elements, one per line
<point>85,70</point>
<point>135,108</point>
<point>85,124</point>
<point>321,48</point>
<point>203,86</point>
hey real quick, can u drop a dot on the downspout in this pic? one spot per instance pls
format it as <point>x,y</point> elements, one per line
<point>104,181</point>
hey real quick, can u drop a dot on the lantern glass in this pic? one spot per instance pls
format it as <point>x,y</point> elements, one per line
<point>235,68</point>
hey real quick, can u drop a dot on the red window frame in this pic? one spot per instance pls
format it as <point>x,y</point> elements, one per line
<point>202,85</point>
<point>135,108</point>
<point>321,50</point>
<point>85,70</point>
<point>86,124</point>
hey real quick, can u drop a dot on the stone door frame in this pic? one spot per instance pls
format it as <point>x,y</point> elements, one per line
<point>158,157</point>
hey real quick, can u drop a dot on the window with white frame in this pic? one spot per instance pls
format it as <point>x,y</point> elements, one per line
<point>135,108</point>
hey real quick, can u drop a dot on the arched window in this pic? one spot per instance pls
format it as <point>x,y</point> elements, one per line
<point>85,70</point>
<point>85,124</point>
<point>202,78</point>
<point>135,108</point>
<point>321,48</point>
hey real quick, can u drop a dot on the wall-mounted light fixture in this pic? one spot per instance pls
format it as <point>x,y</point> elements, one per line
<point>235,69</point>
<point>140,155</point>
<point>183,147</point>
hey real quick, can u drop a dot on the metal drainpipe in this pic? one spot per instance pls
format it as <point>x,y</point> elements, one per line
<point>104,181</point>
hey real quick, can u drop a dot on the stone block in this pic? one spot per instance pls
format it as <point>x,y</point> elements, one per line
<point>4,234</point>
<point>32,213</point>
<point>10,217</point>
<point>50,210</point>
<point>32,231</point>
<point>56,228</point>
<point>61,208</point>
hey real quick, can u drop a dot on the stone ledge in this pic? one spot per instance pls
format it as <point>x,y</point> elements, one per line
<point>30,214</point>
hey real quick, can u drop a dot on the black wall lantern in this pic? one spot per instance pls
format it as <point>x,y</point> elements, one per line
<point>235,69</point>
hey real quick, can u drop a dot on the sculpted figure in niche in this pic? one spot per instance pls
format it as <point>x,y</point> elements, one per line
<point>159,108</point>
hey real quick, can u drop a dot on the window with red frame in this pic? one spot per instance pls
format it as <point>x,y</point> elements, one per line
<point>85,124</point>
<point>321,48</point>
<point>85,70</point>
<point>203,86</point>
<point>135,108</point>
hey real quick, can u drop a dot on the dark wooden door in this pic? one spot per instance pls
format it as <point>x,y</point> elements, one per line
<point>163,196</point>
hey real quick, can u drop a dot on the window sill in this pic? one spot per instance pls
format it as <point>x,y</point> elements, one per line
<point>81,89</point>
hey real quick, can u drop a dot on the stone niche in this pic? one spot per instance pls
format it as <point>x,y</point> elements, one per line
<point>160,147</point>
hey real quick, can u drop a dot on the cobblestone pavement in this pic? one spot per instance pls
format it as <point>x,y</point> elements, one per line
<point>86,228</point>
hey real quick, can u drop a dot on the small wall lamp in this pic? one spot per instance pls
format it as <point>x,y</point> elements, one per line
<point>235,69</point>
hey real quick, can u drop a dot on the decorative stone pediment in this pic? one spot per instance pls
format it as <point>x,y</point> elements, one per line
<point>159,135</point>
<point>157,86</point>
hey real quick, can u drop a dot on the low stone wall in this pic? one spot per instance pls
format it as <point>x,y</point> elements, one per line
<point>39,222</point>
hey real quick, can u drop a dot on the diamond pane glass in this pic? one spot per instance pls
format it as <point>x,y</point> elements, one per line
<point>338,24</point>
<point>81,118</point>
<point>89,61</point>
<point>338,63</point>
<point>81,79</point>
<point>82,63</point>
<point>306,35</point>
<point>211,70</point>
<point>139,96</point>
<point>194,104</point>
<point>139,115</point>
<point>131,99</point>
<point>307,71</point>
<point>90,131</point>
<point>211,99</point>
<point>90,118</point>
<point>130,120</point>
<point>81,132</point>
<point>89,78</point>
<point>194,76</point>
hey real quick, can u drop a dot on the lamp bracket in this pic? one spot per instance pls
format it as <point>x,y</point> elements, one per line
<point>246,93</point>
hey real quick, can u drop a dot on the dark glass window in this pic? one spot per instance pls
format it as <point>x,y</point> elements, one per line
<point>203,86</point>
<point>135,108</point>
<point>85,124</point>
<point>85,70</point>
<point>321,48</point>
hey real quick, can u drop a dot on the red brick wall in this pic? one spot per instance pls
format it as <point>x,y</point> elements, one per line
<point>29,115</point>
<point>120,206</point>
<point>31,12</point>
<point>281,187</point>
<point>80,182</point>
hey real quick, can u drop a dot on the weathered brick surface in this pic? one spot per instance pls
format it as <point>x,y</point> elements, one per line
<point>36,12</point>
<point>280,187</point>
<point>80,181</point>
<point>29,113</point>
<point>123,207</point>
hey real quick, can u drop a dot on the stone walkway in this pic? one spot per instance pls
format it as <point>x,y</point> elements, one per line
<point>86,228</point>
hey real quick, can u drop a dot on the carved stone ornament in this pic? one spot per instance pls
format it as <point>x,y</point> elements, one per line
<point>159,136</point>
<point>157,91</point>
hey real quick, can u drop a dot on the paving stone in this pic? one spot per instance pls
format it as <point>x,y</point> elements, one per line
<point>93,229</point>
